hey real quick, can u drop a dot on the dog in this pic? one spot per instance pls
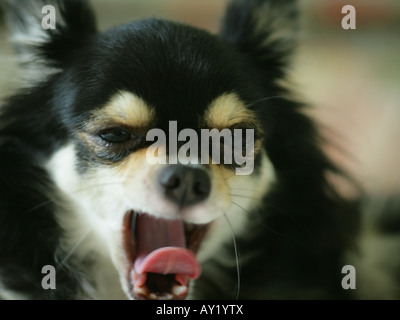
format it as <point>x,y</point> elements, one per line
<point>78,193</point>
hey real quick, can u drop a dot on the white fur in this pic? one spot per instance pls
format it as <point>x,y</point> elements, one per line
<point>27,35</point>
<point>10,295</point>
<point>276,18</point>
<point>84,229</point>
<point>99,199</point>
<point>246,195</point>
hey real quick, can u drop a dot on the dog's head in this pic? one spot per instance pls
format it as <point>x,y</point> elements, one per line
<point>153,197</point>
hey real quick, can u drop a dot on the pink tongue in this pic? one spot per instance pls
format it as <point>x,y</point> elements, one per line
<point>161,248</point>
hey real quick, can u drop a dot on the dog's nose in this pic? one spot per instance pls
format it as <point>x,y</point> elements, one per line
<point>185,185</point>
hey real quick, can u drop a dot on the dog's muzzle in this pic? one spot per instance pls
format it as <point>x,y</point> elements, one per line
<point>162,252</point>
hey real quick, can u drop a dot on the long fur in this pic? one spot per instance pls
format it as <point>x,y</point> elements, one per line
<point>297,235</point>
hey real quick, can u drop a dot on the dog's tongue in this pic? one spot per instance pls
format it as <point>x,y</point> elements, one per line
<point>161,248</point>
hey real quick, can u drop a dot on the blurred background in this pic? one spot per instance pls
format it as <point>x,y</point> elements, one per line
<point>350,77</point>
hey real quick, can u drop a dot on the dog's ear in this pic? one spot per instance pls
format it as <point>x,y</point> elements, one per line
<point>265,30</point>
<point>46,33</point>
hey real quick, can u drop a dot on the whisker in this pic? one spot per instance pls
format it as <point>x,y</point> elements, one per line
<point>236,256</point>
<point>242,189</point>
<point>77,190</point>
<point>97,184</point>
<point>292,217</point>
<point>246,197</point>
<point>77,244</point>
<point>40,205</point>
<point>264,99</point>
<point>230,177</point>
<point>280,210</point>
<point>272,230</point>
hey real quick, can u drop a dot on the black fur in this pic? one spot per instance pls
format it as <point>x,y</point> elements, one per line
<point>295,248</point>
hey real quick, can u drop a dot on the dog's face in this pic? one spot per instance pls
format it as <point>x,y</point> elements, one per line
<point>156,216</point>
<point>108,92</point>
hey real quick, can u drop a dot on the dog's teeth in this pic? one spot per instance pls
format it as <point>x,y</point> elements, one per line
<point>178,290</point>
<point>153,296</point>
<point>141,291</point>
<point>166,296</point>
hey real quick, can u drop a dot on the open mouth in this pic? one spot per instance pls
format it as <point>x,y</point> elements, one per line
<point>162,255</point>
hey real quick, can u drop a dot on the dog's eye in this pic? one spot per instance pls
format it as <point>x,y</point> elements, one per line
<point>116,135</point>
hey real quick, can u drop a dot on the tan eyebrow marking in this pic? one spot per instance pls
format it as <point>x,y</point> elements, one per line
<point>227,111</point>
<point>124,108</point>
